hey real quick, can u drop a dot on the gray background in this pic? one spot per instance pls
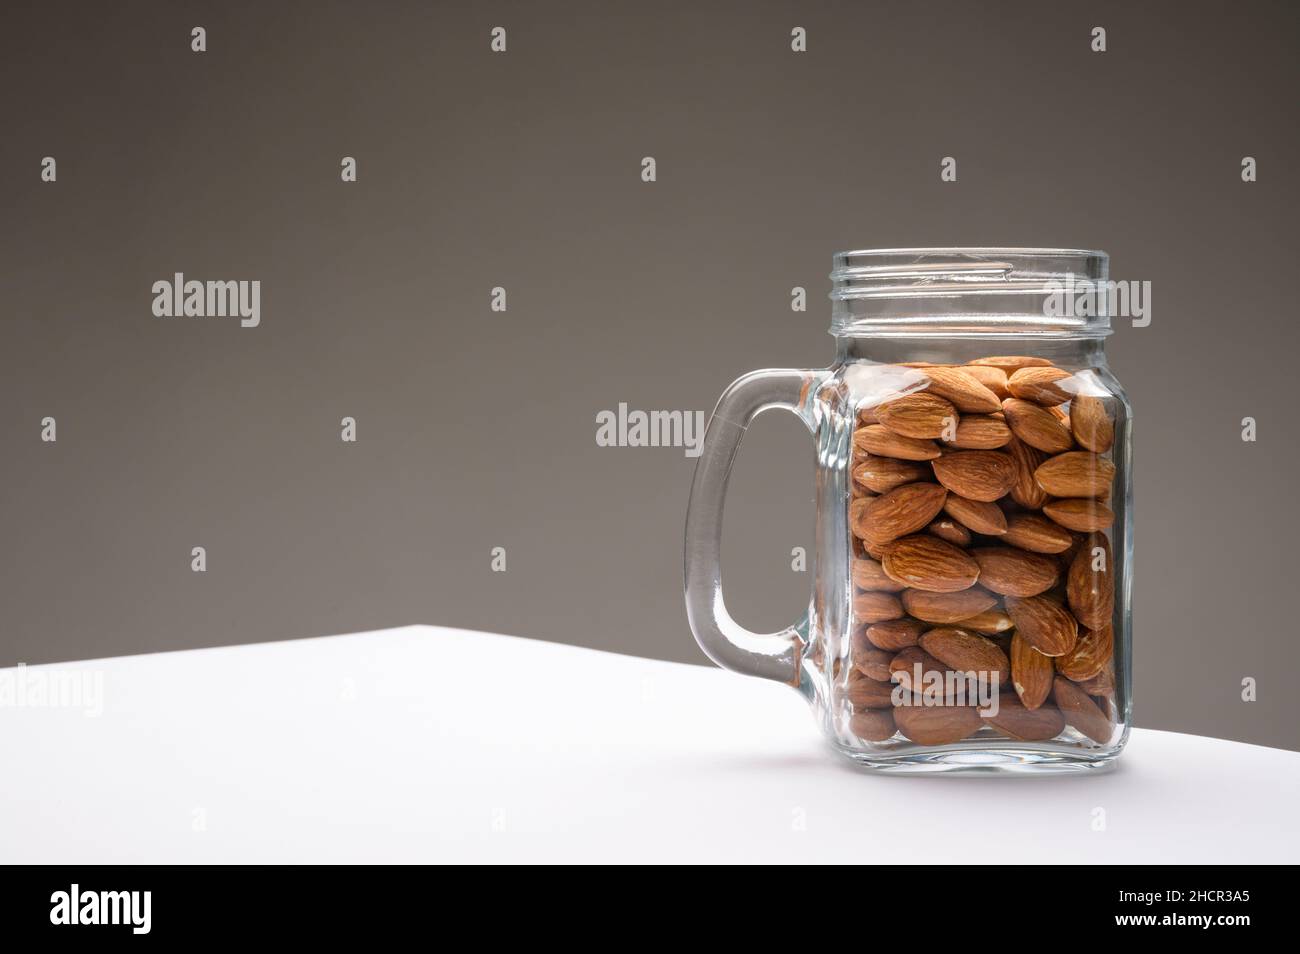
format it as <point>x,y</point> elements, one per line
<point>477,429</point>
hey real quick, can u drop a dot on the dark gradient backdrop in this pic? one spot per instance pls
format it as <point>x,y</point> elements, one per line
<point>476,429</point>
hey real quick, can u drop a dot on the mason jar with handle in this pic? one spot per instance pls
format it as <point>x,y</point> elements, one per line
<point>971,602</point>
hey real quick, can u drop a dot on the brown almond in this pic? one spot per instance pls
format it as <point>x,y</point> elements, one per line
<point>921,415</point>
<point>874,662</point>
<point>882,474</point>
<point>995,379</point>
<point>1075,474</point>
<point>857,514</point>
<point>867,693</point>
<point>991,622</point>
<point>878,439</point>
<point>1090,655</point>
<point>983,475</point>
<point>903,671</point>
<point>1014,572</point>
<point>903,510</point>
<point>1025,491</point>
<point>874,607</point>
<point>1029,531</point>
<point>1080,711</point>
<point>964,391</point>
<point>1040,385</point>
<point>1101,684</point>
<point>980,432</point>
<point>1011,363</point>
<point>894,634</point>
<point>866,415</point>
<point>870,575</point>
<point>928,563</point>
<point>873,725</point>
<point>1080,513</point>
<point>980,516</point>
<point>949,531</point>
<point>1031,672</point>
<point>1016,720</point>
<point>964,651</point>
<point>1091,424</point>
<point>1044,623</point>
<point>1037,426</point>
<point>1090,583</point>
<point>947,608</point>
<point>936,725</point>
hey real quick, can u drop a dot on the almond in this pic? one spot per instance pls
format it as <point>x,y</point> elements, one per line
<point>976,474</point>
<point>1031,673</point>
<point>1044,623</point>
<point>857,514</point>
<point>903,510</point>
<point>1080,513</point>
<point>1037,426</point>
<point>894,634</point>
<point>990,621</point>
<point>1025,491</point>
<point>954,607</point>
<point>1010,364</point>
<point>882,474</point>
<point>1101,684</point>
<point>921,415</point>
<point>964,651</point>
<point>1075,474</point>
<point>978,515</point>
<point>1029,531</point>
<point>928,563</point>
<point>873,725</point>
<point>1090,655</point>
<point>936,725</point>
<point>949,531</point>
<point>869,575</point>
<point>963,390</point>
<point>1091,423</point>
<point>1013,572</point>
<point>867,693</point>
<point>980,432</point>
<point>874,607</point>
<point>878,439</point>
<point>867,415</point>
<point>1040,385</point>
<point>1025,723</point>
<point>1090,583</point>
<point>873,662</point>
<point>995,379</point>
<point>1080,711</point>
<point>902,668</point>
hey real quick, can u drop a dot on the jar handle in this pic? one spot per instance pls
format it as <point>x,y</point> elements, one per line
<point>730,645</point>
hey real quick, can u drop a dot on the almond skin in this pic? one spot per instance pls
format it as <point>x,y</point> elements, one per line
<point>902,668</point>
<point>1080,711</point>
<point>936,725</point>
<point>1080,513</point>
<point>980,432</point>
<point>920,415</point>
<point>873,607</point>
<point>995,379</point>
<point>873,725</point>
<point>1040,385</point>
<point>1011,363</point>
<point>894,634</point>
<point>1027,724</point>
<point>1037,426</point>
<point>903,510</point>
<point>1025,491</point>
<point>1090,583</point>
<point>978,515</point>
<point>1031,673</point>
<point>991,622</point>
<point>1075,474</point>
<point>1091,424</point>
<point>928,563</point>
<point>964,651</point>
<point>1045,624</point>
<point>1014,572</point>
<point>867,693</point>
<point>949,531</point>
<point>1029,531</point>
<point>869,575</point>
<point>880,475</point>
<point>964,391</point>
<point>874,663</point>
<point>1101,684</point>
<point>880,440</point>
<point>945,608</point>
<point>1090,655</point>
<point>976,474</point>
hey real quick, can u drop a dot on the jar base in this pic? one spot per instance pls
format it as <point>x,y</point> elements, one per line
<point>1045,760</point>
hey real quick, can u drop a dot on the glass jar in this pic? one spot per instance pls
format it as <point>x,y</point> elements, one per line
<point>971,595</point>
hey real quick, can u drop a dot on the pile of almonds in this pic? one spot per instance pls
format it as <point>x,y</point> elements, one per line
<point>979,514</point>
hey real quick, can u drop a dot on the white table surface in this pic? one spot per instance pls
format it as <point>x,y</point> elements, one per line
<point>431,744</point>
